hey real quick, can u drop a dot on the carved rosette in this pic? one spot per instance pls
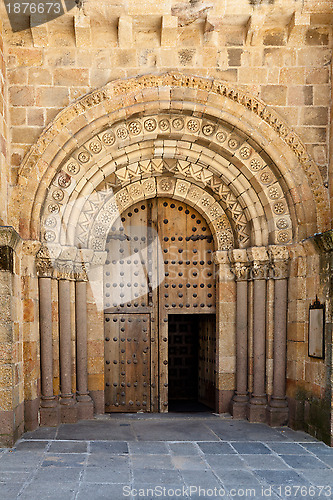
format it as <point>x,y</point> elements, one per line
<point>279,269</point>
<point>241,271</point>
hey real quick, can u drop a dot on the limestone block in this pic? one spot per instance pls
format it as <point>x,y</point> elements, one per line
<point>169,31</point>
<point>39,30</point>
<point>314,115</point>
<point>274,94</point>
<point>297,26</point>
<point>82,30</point>
<point>125,31</point>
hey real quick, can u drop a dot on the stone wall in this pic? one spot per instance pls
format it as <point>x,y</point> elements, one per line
<point>3,132</point>
<point>286,62</point>
<point>308,378</point>
<point>11,341</point>
<point>280,55</point>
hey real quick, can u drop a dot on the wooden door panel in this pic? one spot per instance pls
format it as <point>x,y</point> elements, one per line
<point>127,362</point>
<point>142,281</point>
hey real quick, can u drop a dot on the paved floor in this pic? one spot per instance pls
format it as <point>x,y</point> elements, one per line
<point>165,456</point>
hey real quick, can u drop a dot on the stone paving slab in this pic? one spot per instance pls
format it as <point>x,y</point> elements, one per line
<point>185,457</point>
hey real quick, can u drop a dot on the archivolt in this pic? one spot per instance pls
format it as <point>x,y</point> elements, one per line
<point>218,160</point>
<point>187,123</point>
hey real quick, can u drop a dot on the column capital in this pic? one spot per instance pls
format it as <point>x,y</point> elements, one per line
<point>241,270</point>
<point>44,268</point>
<point>259,262</point>
<point>80,271</point>
<point>279,261</point>
<point>65,270</point>
<point>239,264</point>
<point>44,263</point>
<point>259,270</point>
<point>279,269</point>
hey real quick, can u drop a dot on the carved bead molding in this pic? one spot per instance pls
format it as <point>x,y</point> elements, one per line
<point>114,90</point>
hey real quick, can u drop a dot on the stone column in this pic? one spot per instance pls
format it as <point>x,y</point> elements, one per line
<point>85,403</point>
<point>68,407</point>
<point>257,405</point>
<point>225,331</point>
<point>278,407</point>
<point>49,412</point>
<point>240,268</point>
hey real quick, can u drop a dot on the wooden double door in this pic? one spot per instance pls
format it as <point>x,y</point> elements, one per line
<point>159,278</point>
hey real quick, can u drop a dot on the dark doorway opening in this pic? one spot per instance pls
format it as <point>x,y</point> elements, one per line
<point>191,362</point>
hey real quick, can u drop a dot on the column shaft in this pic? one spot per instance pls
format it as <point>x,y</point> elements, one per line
<point>46,348</point>
<point>257,406</point>
<point>240,398</point>
<point>68,407</point>
<point>49,412</point>
<point>278,410</point>
<point>85,404</point>
<point>65,342</point>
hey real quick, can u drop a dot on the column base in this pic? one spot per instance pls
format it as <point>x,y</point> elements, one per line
<point>49,416</point>
<point>85,407</point>
<point>238,409</point>
<point>256,413</point>
<point>277,416</point>
<point>68,413</point>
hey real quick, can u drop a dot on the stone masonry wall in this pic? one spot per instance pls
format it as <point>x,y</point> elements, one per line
<point>3,132</point>
<point>285,59</point>
<point>308,378</point>
<point>287,64</point>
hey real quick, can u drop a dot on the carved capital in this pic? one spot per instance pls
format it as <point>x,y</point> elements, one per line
<point>241,270</point>
<point>44,263</point>
<point>80,271</point>
<point>279,269</point>
<point>259,270</point>
<point>65,270</point>
<point>44,268</point>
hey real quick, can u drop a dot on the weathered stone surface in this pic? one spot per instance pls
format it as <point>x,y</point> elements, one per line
<point>252,129</point>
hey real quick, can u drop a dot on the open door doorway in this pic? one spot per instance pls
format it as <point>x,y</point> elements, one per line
<point>192,352</point>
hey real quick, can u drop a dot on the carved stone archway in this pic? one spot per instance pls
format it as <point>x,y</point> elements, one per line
<point>219,150</point>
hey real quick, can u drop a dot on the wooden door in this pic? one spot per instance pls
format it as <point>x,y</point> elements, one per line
<point>159,263</point>
<point>127,362</point>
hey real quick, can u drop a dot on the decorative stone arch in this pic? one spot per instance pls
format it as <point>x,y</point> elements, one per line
<point>234,182</point>
<point>219,142</point>
<point>214,102</point>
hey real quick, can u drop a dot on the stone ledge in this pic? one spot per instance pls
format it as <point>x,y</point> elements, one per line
<point>323,241</point>
<point>9,237</point>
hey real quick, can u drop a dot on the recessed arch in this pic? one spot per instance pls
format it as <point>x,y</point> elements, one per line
<point>202,99</point>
